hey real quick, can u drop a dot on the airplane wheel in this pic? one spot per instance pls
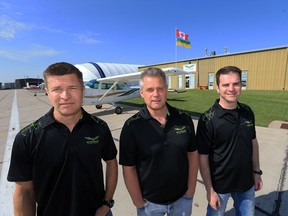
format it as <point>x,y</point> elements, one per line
<point>35,94</point>
<point>98,106</point>
<point>118,110</point>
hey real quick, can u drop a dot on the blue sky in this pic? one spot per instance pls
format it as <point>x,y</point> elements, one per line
<point>35,33</point>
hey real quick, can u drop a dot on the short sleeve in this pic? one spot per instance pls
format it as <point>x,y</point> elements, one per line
<point>21,164</point>
<point>204,136</point>
<point>109,149</point>
<point>128,148</point>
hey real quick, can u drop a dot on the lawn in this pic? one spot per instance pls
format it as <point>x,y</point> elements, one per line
<point>267,105</point>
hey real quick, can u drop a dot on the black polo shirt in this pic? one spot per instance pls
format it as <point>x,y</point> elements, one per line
<point>226,136</point>
<point>65,166</point>
<point>159,153</point>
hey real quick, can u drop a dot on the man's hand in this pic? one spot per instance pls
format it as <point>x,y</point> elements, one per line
<point>102,211</point>
<point>214,200</point>
<point>258,183</point>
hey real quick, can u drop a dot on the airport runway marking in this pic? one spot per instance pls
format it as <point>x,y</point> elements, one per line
<point>7,188</point>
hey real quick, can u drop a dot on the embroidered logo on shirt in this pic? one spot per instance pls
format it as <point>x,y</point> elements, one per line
<point>91,140</point>
<point>208,116</point>
<point>249,123</point>
<point>30,128</point>
<point>180,130</point>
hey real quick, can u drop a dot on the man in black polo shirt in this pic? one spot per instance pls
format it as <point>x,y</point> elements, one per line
<point>56,161</point>
<point>228,149</point>
<point>158,152</point>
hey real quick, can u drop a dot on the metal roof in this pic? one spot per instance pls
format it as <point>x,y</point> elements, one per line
<point>96,70</point>
<point>225,54</point>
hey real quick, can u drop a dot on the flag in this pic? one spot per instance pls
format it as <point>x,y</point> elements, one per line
<point>182,39</point>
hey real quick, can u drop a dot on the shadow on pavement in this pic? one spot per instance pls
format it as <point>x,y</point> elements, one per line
<point>268,205</point>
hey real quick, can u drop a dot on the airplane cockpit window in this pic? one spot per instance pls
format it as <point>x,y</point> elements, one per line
<point>120,86</point>
<point>105,85</point>
<point>95,85</point>
<point>92,84</point>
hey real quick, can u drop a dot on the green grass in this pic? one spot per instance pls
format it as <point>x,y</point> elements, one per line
<point>267,105</point>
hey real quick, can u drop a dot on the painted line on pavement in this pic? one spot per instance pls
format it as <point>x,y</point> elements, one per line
<point>7,188</point>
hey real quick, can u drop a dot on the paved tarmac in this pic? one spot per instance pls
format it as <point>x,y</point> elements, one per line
<point>272,200</point>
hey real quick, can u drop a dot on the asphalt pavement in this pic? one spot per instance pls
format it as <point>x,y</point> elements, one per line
<point>25,108</point>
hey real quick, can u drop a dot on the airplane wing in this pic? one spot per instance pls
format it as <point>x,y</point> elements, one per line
<point>121,78</point>
<point>130,77</point>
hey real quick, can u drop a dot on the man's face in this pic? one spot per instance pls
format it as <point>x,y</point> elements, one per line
<point>154,92</point>
<point>229,89</point>
<point>65,94</point>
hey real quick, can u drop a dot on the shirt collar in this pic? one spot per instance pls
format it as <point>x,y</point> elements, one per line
<point>221,111</point>
<point>49,119</point>
<point>144,112</point>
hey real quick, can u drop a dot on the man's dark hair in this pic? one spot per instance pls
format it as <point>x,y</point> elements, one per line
<point>60,69</point>
<point>226,70</point>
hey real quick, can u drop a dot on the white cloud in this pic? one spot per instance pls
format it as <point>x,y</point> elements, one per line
<point>9,27</point>
<point>87,38</point>
<point>48,29</point>
<point>4,6</point>
<point>29,53</point>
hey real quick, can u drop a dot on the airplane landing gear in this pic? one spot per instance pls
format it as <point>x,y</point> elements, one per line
<point>118,110</point>
<point>98,106</point>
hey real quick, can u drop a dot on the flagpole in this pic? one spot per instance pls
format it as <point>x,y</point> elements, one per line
<point>175,47</point>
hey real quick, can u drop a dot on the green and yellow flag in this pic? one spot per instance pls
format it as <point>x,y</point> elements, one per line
<point>182,39</point>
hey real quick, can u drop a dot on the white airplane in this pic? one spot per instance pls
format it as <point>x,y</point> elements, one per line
<point>112,89</point>
<point>34,89</point>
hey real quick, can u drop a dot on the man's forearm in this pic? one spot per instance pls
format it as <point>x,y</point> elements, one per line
<point>24,203</point>
<point>193,172</point>
<point>205,172</point>
<point>111,178</point>
<point>256,163</point>
<point>133,186</point>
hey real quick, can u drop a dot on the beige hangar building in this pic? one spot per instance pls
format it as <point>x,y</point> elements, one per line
<point>263,69</point>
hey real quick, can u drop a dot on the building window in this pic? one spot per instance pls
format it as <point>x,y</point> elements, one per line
<point>169,82</point>
<point>244,76</point>
<point>211,80</point>
<point>180,82</point>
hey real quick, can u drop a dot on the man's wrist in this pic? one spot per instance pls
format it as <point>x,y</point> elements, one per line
<point>258,172</point>
<point>109,203</point>
<point>140,204</point>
